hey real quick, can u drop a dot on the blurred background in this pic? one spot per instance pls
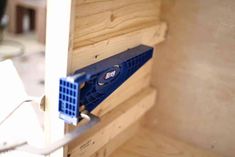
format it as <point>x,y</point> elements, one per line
<point>22,55</point>
<point>22,39</point>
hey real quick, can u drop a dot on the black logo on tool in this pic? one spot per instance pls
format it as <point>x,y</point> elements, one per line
<point>109,75</point>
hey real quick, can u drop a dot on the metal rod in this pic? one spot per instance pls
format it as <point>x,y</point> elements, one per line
<point>92,121</point>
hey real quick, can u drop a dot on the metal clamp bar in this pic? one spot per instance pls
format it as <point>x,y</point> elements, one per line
<point>92,121</point>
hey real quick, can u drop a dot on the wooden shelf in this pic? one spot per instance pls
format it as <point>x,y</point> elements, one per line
<point>102,47</point>
<point>150,142</point>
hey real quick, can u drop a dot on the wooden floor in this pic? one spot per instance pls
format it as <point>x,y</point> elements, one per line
<point>151,143</point>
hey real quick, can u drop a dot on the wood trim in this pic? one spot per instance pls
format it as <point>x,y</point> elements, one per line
<point>57,64</point>
<point>87,55</point>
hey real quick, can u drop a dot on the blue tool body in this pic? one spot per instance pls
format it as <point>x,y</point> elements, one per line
<point>98,81</point>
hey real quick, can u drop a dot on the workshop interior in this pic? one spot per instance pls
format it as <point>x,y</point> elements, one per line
<point>117,78</point>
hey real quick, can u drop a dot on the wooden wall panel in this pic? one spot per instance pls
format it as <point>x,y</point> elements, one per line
<point>101,29</point>
<point>105,19</point>
<point>195,74</point>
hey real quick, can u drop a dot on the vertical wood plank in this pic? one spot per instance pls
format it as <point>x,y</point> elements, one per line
<point>57,64</point>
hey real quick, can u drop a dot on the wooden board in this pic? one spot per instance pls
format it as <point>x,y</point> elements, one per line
<point>90,54</point>
<point>113,123</point>
<point>57,61</point>
<point>151,143</point>
<point>96,20</point>
<point>195,74</point>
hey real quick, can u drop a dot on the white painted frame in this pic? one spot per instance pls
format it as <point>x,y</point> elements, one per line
<point>57,65</point>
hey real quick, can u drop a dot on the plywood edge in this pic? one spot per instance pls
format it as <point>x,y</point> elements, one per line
<point>87,42</point>
<point>90,54</point>
<point>151,142</point>
<point>114,123</point>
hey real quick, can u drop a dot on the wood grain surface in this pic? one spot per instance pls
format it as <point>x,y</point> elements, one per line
<point>195,74</point>
<point>152,143</point>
